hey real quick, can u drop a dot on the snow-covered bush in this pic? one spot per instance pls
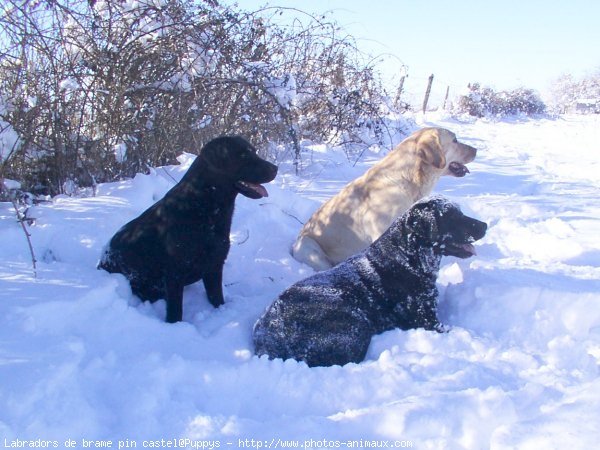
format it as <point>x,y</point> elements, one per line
<point>102,90</point>
<point>569,95</point>
<point>485,102</point>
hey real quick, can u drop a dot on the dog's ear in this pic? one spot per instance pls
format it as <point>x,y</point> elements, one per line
<point>214,156</point>
<point>429,149</point>
<point>422,221</point>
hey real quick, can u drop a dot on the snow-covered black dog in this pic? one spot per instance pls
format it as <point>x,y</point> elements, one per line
<point>184,237</point>
<point>330,317</point>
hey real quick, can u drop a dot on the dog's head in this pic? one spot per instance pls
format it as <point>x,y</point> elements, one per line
<point>233,160</point>
<point>439,148</point>
<point>438,223</point>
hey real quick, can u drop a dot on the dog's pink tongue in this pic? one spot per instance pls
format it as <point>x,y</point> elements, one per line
<point>469,248</point>
<point>258,188</point>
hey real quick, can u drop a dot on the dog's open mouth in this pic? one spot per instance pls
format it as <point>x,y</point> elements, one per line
<point>458,250</point>
<point>457,169</point>
<point>251,190</point>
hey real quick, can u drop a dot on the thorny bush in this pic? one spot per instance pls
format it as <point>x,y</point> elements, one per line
<point>94,91</point>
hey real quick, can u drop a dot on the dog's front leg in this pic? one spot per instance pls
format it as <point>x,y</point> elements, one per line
<point>174,290</point>
<point>213,284</point>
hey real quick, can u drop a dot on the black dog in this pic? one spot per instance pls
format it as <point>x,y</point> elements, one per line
<point>330,317</point>
<point>185,236</point>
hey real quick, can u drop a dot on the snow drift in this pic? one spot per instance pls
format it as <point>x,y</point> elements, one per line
<point>81,358</point>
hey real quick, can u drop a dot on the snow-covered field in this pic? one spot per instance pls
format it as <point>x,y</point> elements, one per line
<point>81,359</point>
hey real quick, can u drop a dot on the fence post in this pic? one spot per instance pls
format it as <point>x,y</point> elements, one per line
<point>446,97</point>
<point>427,92</point>
<point>400,91</point>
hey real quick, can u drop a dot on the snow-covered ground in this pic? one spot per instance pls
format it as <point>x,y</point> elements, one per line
<point>81,359</point>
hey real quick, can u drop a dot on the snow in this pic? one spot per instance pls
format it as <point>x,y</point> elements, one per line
<point>120,151</point>
<point>283,89</point>
<point>69,84</point>
<point>9,139</point>
<point>80,358</point>
<point>11,184</point>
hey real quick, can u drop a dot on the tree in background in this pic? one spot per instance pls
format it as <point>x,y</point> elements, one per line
<point>569,95</point>
<point>485,102</point>
<point>95,91</point>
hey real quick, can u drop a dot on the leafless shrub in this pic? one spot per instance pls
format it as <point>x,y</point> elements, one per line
<point>19,201</point>
<point>96,91</point>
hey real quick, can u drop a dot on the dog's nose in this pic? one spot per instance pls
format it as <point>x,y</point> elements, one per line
<point>479,229</point>
<point>273,169</point>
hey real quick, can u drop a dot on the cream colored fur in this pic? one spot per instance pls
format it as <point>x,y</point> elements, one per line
<point>354,218</point>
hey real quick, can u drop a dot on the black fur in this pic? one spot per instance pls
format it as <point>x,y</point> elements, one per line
<point>184,237</point>
<point>330,317</point>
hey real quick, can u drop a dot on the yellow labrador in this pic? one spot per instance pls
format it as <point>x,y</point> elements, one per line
<point>366,207</point>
